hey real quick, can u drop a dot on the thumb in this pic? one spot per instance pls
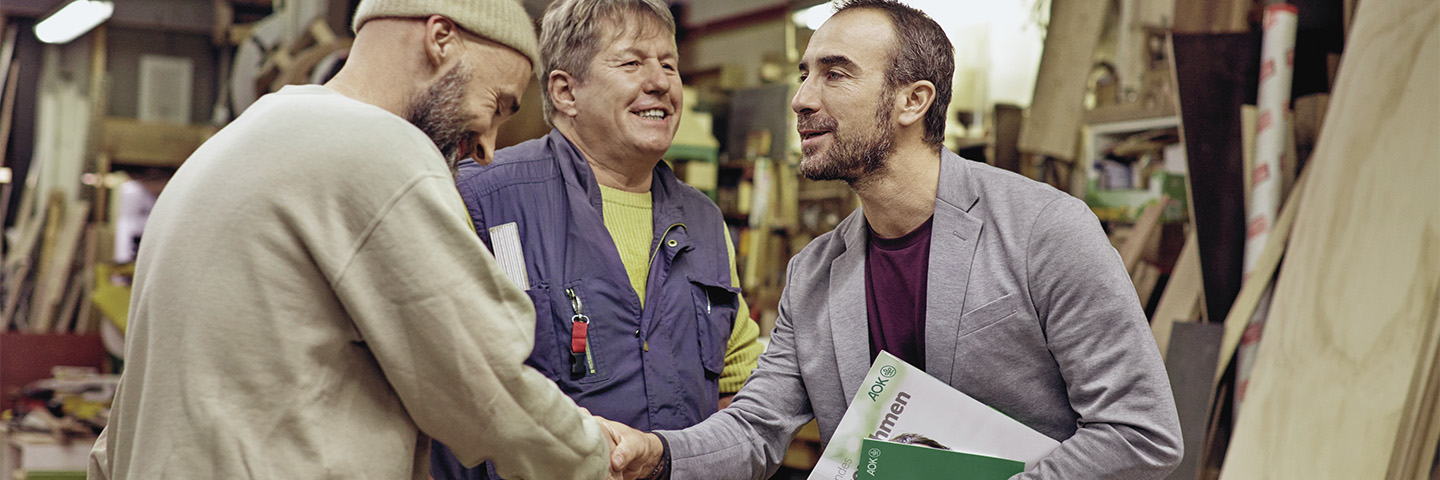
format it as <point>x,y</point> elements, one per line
<point>617,459</point>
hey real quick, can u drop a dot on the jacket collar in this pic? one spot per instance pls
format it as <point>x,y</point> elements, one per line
<point>663,185</point>
<point>954,236</point>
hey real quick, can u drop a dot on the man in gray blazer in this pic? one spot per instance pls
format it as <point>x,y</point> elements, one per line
<point>1003,287</point>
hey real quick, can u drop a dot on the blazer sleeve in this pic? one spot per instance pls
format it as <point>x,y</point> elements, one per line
<point>748,439</point>
<point>1096,329</point>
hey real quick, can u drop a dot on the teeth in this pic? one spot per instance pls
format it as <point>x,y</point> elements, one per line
<point>654,113</point>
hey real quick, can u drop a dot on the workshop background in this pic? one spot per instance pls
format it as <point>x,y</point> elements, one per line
<point>1269,172</point>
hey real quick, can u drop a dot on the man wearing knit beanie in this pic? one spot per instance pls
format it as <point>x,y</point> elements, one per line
<point>310,300</point>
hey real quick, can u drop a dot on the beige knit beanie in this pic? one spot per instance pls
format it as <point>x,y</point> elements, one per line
<point>502,21</point>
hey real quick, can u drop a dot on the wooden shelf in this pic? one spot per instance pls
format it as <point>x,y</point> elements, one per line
<point>132,142</point>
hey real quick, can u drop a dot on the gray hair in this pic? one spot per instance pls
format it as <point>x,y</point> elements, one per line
<point>570,34</point>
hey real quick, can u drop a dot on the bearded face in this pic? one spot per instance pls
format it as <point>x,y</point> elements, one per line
<point>440,112</point>
<point>856,151</point>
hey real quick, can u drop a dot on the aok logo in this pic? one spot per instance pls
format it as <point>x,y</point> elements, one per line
<point>873,464</point>
<point>886,372</point>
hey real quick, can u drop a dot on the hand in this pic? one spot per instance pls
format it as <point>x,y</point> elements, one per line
<point>612,438</point>
<point>636,453</point>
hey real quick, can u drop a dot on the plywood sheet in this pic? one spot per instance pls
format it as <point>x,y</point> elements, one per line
<point>1053,126</point>
<point>1362,275</point>
<point>1214,75</point>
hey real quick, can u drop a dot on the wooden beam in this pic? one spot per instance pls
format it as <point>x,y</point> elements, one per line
<point>1182,297</point>
<point>132,142</point>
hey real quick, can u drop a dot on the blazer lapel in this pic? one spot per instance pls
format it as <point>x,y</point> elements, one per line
<point>953,240</point>
<point>846,307</point>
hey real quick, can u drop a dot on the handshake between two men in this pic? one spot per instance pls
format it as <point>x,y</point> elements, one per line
<point>633,454</point>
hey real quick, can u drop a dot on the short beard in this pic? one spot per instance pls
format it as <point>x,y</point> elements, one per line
<point>439,111</point>
<point>853,158</point>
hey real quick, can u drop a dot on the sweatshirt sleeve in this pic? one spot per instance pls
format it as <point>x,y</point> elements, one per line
<point>451,333</point>
<point>744,348</point>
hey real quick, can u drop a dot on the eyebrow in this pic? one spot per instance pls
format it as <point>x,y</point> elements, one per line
<point>832,61</point>
<point>637,52</point>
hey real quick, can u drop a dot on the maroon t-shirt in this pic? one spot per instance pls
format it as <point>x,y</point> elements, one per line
<point>895,270</point>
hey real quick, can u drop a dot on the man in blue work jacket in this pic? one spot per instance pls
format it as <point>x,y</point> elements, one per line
<point>632,273</point>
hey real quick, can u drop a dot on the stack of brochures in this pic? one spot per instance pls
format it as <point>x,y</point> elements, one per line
<point>904,424</point>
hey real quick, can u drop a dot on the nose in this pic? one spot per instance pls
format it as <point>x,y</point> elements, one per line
<point>806,100</point>
<point>657,79</point>
<point>485,148</point>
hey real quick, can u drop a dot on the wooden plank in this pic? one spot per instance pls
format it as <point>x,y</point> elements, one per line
<point>55,271</point>
<point>1262,280</point>
<point>1053,126</point>
<point>1194,348</point>
<point>1181,300</point>
<point>1214,73</point>
<point>1147,228</point>
<point>7,116</point>
<point>7,112</point>
<point>1420,422</point>
<point>1146,276</point>
<point>1346,333</point>
<point>132,142</point>
<point>65,320</point>
<point>98,241</point>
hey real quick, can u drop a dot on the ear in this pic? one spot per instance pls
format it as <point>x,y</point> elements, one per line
<point>913,101</point>
<point>442,40</point>
<point>561,86</point>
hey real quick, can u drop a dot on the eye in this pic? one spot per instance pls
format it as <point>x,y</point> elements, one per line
<point>668,66</point>
<point>833,75</point>
<point>803,77</point>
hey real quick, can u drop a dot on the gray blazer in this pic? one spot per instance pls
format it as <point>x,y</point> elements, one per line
<point>1029,310</point>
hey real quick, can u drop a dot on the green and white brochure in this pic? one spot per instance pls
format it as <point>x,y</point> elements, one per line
<point>902,412</point>
<point>903,461</point>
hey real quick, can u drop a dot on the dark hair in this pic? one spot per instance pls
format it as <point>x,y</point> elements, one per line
<point>922,52</point>
<point>918,439</point>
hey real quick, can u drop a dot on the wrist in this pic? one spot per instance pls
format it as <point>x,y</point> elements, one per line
<point>657,460</point>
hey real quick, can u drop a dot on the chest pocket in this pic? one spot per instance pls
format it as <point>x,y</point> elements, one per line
<point>546,347</point>
<point>715,307</point>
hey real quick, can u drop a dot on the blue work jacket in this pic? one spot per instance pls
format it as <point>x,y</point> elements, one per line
<point>653,368</point>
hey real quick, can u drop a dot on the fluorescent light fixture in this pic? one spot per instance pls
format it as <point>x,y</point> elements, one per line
<point>815,16</point>
<point>73,20</point>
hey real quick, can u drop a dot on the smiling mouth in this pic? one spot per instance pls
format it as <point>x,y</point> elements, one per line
<point>653,114</point>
